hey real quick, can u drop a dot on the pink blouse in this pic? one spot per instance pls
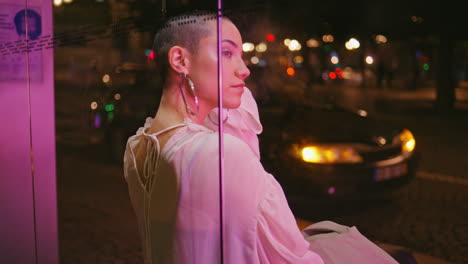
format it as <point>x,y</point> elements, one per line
<point>176,202</point>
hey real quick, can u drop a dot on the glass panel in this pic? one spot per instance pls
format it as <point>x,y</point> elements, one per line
<point>39,32</point>
<point>311,114</point>
<point>105,88</point>
<point>17,193</point>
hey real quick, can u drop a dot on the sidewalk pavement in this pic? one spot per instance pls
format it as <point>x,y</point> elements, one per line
<point>420,257</point>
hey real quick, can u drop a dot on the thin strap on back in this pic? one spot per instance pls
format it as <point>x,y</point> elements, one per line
<point>149,174</point>
<point>152,156</point>
<point>164,130</point>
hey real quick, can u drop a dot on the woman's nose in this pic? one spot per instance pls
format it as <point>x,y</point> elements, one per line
<point>243,72</point>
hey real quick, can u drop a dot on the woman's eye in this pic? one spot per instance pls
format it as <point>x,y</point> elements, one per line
<point>227,53</point>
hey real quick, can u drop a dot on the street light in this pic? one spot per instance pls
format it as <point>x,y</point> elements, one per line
<point>352,43</point>
<point>298,59</point>
<point>380,39</point>
<point>369,60</point>
<point>248,47</point>
<point>254,60</point>
<point>328,38</point>
<point>312,43</point>
<point>261,47</point>
<point>334,60</point>
<point>294,45</point>
<point>105,78</point>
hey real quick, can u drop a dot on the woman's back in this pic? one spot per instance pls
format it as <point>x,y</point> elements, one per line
<point>179,219</point>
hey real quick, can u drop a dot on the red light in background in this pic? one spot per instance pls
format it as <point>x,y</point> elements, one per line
<point>339,73</point>
<point>290,71</point>
<point>332,75</point>
<point>151,55</point>
<point>270,37</point>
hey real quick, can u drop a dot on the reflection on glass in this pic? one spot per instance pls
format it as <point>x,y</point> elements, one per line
<point>109,72</point>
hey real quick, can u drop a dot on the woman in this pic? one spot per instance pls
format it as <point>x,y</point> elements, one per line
<point>171,164</point>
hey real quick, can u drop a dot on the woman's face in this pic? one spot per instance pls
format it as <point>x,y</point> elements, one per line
<point>204,67</point>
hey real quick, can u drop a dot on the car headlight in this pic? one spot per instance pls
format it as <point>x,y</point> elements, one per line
<point>407,141</point>
<point>326,154</point>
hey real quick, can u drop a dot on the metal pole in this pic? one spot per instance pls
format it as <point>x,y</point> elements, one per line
<point>220,129</point>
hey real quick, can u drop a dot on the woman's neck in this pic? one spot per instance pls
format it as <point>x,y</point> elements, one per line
<point>172,108</point>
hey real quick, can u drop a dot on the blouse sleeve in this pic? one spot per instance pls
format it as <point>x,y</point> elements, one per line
<point>259,222</point>
<point>279,240</point>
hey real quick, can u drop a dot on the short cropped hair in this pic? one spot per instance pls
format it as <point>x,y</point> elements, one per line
<point>185,30</point>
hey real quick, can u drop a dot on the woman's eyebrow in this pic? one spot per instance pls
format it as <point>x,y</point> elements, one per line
<point>231,42</point>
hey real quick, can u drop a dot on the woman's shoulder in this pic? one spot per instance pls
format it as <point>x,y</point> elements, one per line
<point>233,147</point>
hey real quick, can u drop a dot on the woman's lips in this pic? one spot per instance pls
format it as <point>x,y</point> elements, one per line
<point>241,85</point>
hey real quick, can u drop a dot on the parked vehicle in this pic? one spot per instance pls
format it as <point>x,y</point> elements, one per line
<point>322,150</point>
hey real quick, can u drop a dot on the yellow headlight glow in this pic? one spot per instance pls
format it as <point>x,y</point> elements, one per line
<point>407,141</point>
<point>310,154</point>
<point>330,154</point>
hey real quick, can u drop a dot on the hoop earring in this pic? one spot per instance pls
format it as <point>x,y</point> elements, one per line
<point>224,120</point>
<point>195,97</point>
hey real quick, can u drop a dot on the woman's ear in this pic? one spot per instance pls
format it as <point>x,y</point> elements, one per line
<point>179,59</point>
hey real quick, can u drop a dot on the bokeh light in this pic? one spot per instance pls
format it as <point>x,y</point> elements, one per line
<point>352,43</point>
<point>110,116</point>
<point>311,154</point>
<point>286,42</point>
<point>347,73</point>
<point>362,112</point>
<point>380,39</point>
<point>312,43</point>
<point>298,59</point>
<point>328,38</point>
<point>262,63</point>
<point>369,60</point>
<point>339,73</point>
<point>109,107</point>
<point>294,45</point>
<point>117,96</point>
<point>97,120</point>
<point>94,105</point>
<point>290,71</point>
<point>261,47</point>
<point>105,78</point>
<point>270,37</point>
<point>58,2</point>
<point>325,76</point>
<point>248,47</point>
<point>334,60</point>
<point>254,60</point>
